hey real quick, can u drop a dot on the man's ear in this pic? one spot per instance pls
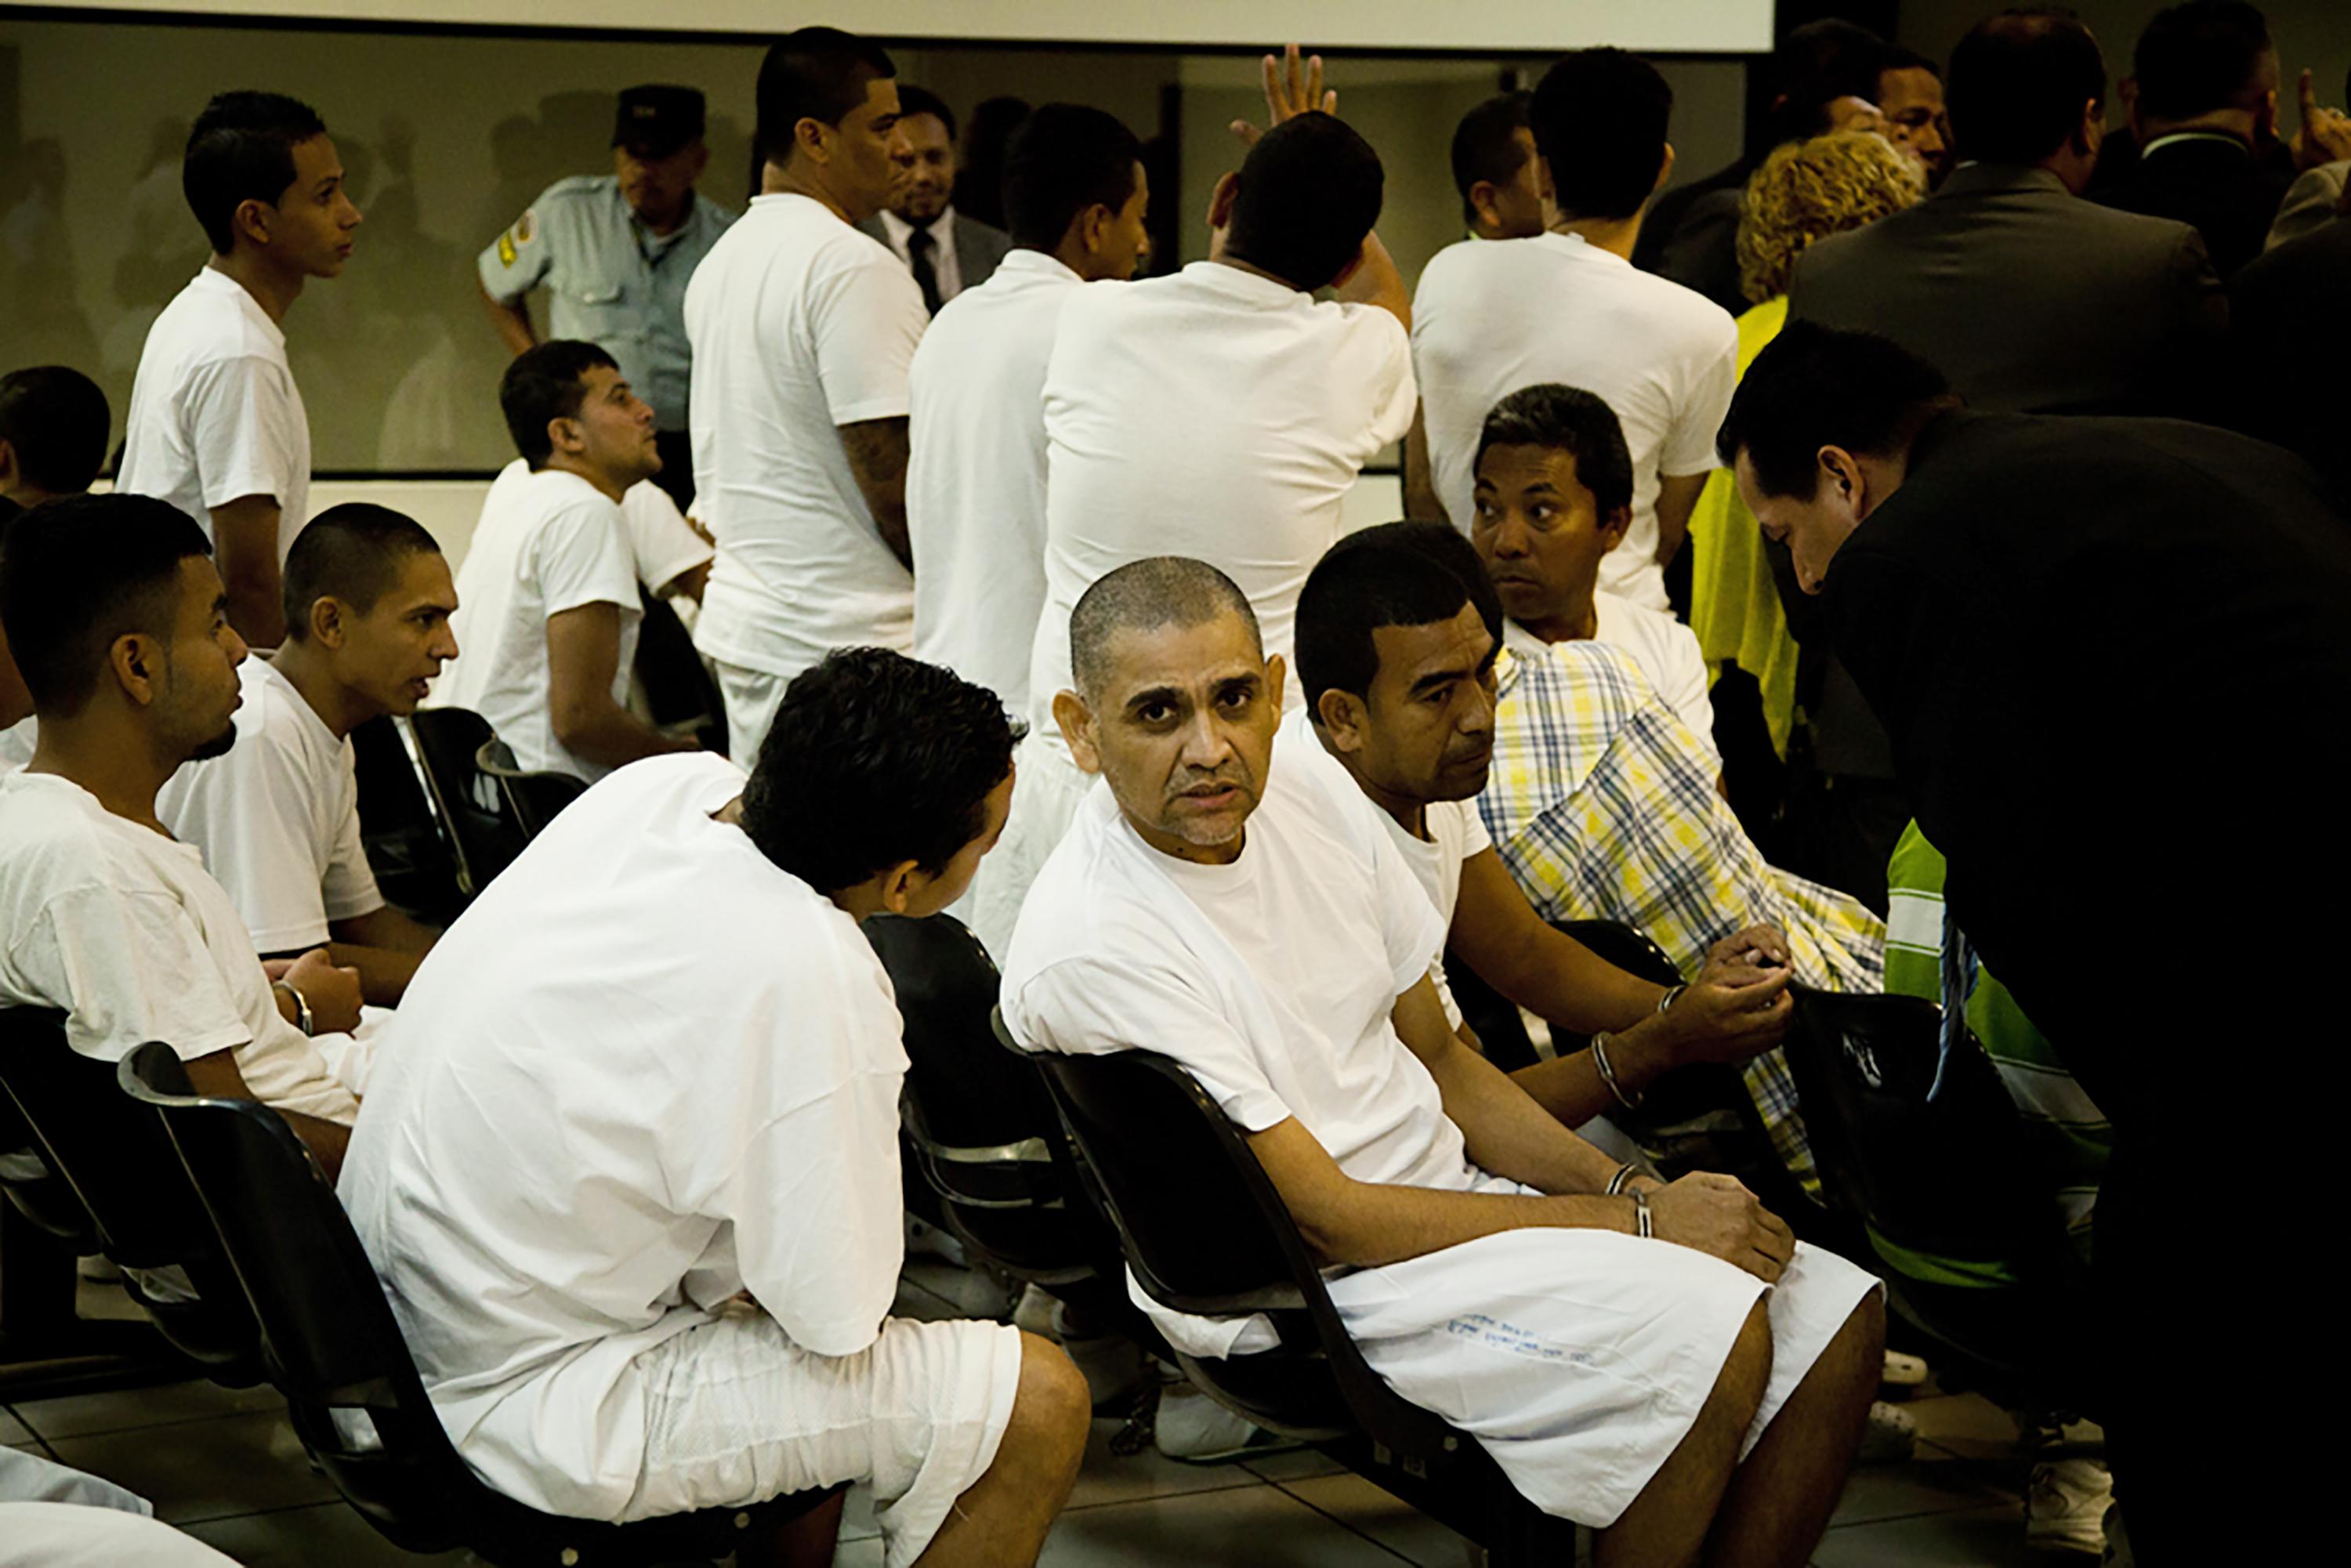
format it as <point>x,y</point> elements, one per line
<point>1665,170</point>
<point>1276,676</point>
<point>138,662</point>
<point>2092,131</point>
<point>1842,475</point>
<point>329,625</point>
<point>898,886</point>
<point>808,139</point>
<point>1077,723</point>
<point>1481,200</point>
<point>8,466</point>
<point>564,436</point>
<point>1613,526</point>
<point>1220,200</point>
<point>1344,717</point>
<point>1093,223</point>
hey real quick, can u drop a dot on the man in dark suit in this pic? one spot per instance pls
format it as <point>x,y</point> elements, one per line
<point>2207,98</point>
<point>2029,299</point>
<point>2291,313</point>
<point>2111,654</point>
<point>947,252</point>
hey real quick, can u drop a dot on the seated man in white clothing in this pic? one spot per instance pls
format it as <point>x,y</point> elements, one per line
<point>1554,498</point>
<point>1670,1364</point>
<point>368,602</point>
<point>53,427</point>
<point>547,609</point>
<point>118,624</point>
<point>670,557</point>
<point>630,1169</point>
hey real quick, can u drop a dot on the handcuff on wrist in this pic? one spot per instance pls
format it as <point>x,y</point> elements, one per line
<point>1608,1072</point>
<point>302,1018</point>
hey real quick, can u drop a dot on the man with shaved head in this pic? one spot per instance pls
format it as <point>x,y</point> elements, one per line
<point>1249,915</point>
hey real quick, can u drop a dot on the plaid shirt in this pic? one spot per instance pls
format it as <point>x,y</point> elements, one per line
<point>1604,807</point>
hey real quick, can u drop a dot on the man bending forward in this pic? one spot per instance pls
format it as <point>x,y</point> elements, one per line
<point>1669,1365</point>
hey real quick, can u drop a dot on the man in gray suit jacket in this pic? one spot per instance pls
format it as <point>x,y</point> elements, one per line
<point>947,252</point>
<point>2027,298</point>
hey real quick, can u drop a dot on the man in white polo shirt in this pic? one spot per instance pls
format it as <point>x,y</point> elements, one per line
<point>1568,305</point>
<point>368,602</point>
<point>217,424</point>
<point>629,1170</point>
<point>1222,412</point>
<point>547,609</point>
<point>119,624</point>
<point>803,330</point>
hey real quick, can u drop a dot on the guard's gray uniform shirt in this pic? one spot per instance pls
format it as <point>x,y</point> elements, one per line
<point>610,280</point>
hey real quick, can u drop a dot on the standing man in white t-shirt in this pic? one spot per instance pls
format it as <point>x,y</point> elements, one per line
<point>1223,412</point>
<point>630,1171</point>
<point>216,425</point>
<point>803,330</point>
<point>548,610</point>
<point>1554,502</point>
<point>120,625</point>
<point>368,605</point>
<point>1568,305</point>
<point>1075,194</point>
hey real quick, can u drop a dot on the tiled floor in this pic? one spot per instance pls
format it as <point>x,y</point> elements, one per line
<point>225,1466</point>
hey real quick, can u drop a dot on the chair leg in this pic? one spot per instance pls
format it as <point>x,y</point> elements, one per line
<point>45,1348</point>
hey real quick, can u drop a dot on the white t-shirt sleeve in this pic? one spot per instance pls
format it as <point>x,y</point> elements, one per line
<point>582,557</point>
<point>348,888</point>
<point>241,422</point>
<point>1089,1006</point>
<point>662,542</point>
<point>1706,399</point>
<point>1687,689</point>
<point>1409,924</point>
<point>1394,394</point>
<point>129,968</point>
<point>868,318</point>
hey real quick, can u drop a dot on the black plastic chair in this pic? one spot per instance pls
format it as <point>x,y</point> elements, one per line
<point>530,801</point>
<point>129,1189</point>
<point>485,837</point>
<point>350,1387</point>
<point>1205,1233</point>
<point>678,690</point>
<point>413,861</point>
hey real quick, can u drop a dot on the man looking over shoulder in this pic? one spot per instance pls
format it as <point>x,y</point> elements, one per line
<point>217,424</point>
<point>1251,919</point>
<point>368,602</point>
<point>548,610</point>
<point>641,1231</point>
<point>120,625</point>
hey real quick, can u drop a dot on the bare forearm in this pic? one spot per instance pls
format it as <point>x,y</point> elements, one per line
<point>1384,1224</point>
<point>1507,1132</point>
<point>326,1140</point>
<point>1498,935</point>
<point>245,547</point>
<point>877,450</point>
<point>384,972</point>
<point>1376,282</point>
<point>511,318</point>
<point>216,1077</point>
<point>610,735</point>
<point>1677,499</point>
<point>1421,502</point>
<point>1570,1088</point>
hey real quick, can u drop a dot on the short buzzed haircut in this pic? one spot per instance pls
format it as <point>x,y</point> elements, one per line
<point>1398,574</point>
<point>1599,117</point>
<point>1570,419</point>
<point>78,573</point>
<point>1143,596</point>
<point>2204,56</point>
<point>1064,159</point>
<point>55,421</point>
<point>353,552</point>
<point>241,150</point>
<point>1310,190</point>
<point>545,381</point>
<point>1486,146</point>
<point>1814,386</point>
<point>2018,84</point>
<point>816,73</point>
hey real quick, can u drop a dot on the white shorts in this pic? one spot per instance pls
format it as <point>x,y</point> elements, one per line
<point>1045,800</point>
<point>751,698</point>
<point>736,1413</point>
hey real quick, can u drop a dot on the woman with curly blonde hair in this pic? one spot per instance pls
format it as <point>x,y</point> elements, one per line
<point>1804,192</point>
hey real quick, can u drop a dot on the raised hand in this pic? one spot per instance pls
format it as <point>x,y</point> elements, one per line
<point>1292,87</point>
<point>2325,134</point>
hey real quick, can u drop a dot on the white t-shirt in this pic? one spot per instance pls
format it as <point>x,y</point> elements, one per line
<point>215,414</point>
<point>799,324</point>
<point>17,744</point>
<point>1216,414</point>
<point>550,543</point>
<point>277,817</point>
<point>120,927</point>
<point>661,543</point>
<point>1271,979</point>
<point>976,487</point>
<point>1494,317</point>
<point>576,1146</point>
<point>1665,651</point>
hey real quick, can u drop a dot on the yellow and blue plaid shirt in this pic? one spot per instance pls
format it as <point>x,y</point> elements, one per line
<point>1604,806</point>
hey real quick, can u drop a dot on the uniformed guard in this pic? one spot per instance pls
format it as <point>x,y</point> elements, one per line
<point>615,252</point>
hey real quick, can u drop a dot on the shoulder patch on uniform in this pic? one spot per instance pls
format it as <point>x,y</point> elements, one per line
<point>507,249</point>
<point>526,227</point>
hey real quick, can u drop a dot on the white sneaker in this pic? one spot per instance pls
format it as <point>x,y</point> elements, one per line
<point>1903,1371</point>
<point>1892,1435</point>
<point>923,1238</point>
<point>1196,1430</point>
<point>1112,1364</point>
<point>1036,1314</point>
<point>2065,1506</point>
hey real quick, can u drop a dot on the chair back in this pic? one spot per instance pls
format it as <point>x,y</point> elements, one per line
<point>410,856</point>
<point>677,686</point>
<point>530,801</point>
<point>480,827</point>
<point>123,1175</point>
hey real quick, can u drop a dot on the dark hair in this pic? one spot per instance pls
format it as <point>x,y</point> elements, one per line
<point>78,573</point>
<point>547,382</point>
<point>875,758</point>
<point>1569,420</point>
<point>57,421</point>
<point>1064,159</point>
<point>1816,387</point>
<point>242,150</point>
<point>1143,596</point>
<point>913,101</point>
<point>1814,66</point>
<point>2205,55</point>
<point>1895,57</point>
<point>1486,145</point>
<point>353,552</point>
<point>1599,119</point>
<point>1398,574</point>
<point>1310,190</point>
<point>2018,82</point>
<point>816,73</point>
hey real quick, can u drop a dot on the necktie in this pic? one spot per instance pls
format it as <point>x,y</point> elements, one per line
<point>919,245</point>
